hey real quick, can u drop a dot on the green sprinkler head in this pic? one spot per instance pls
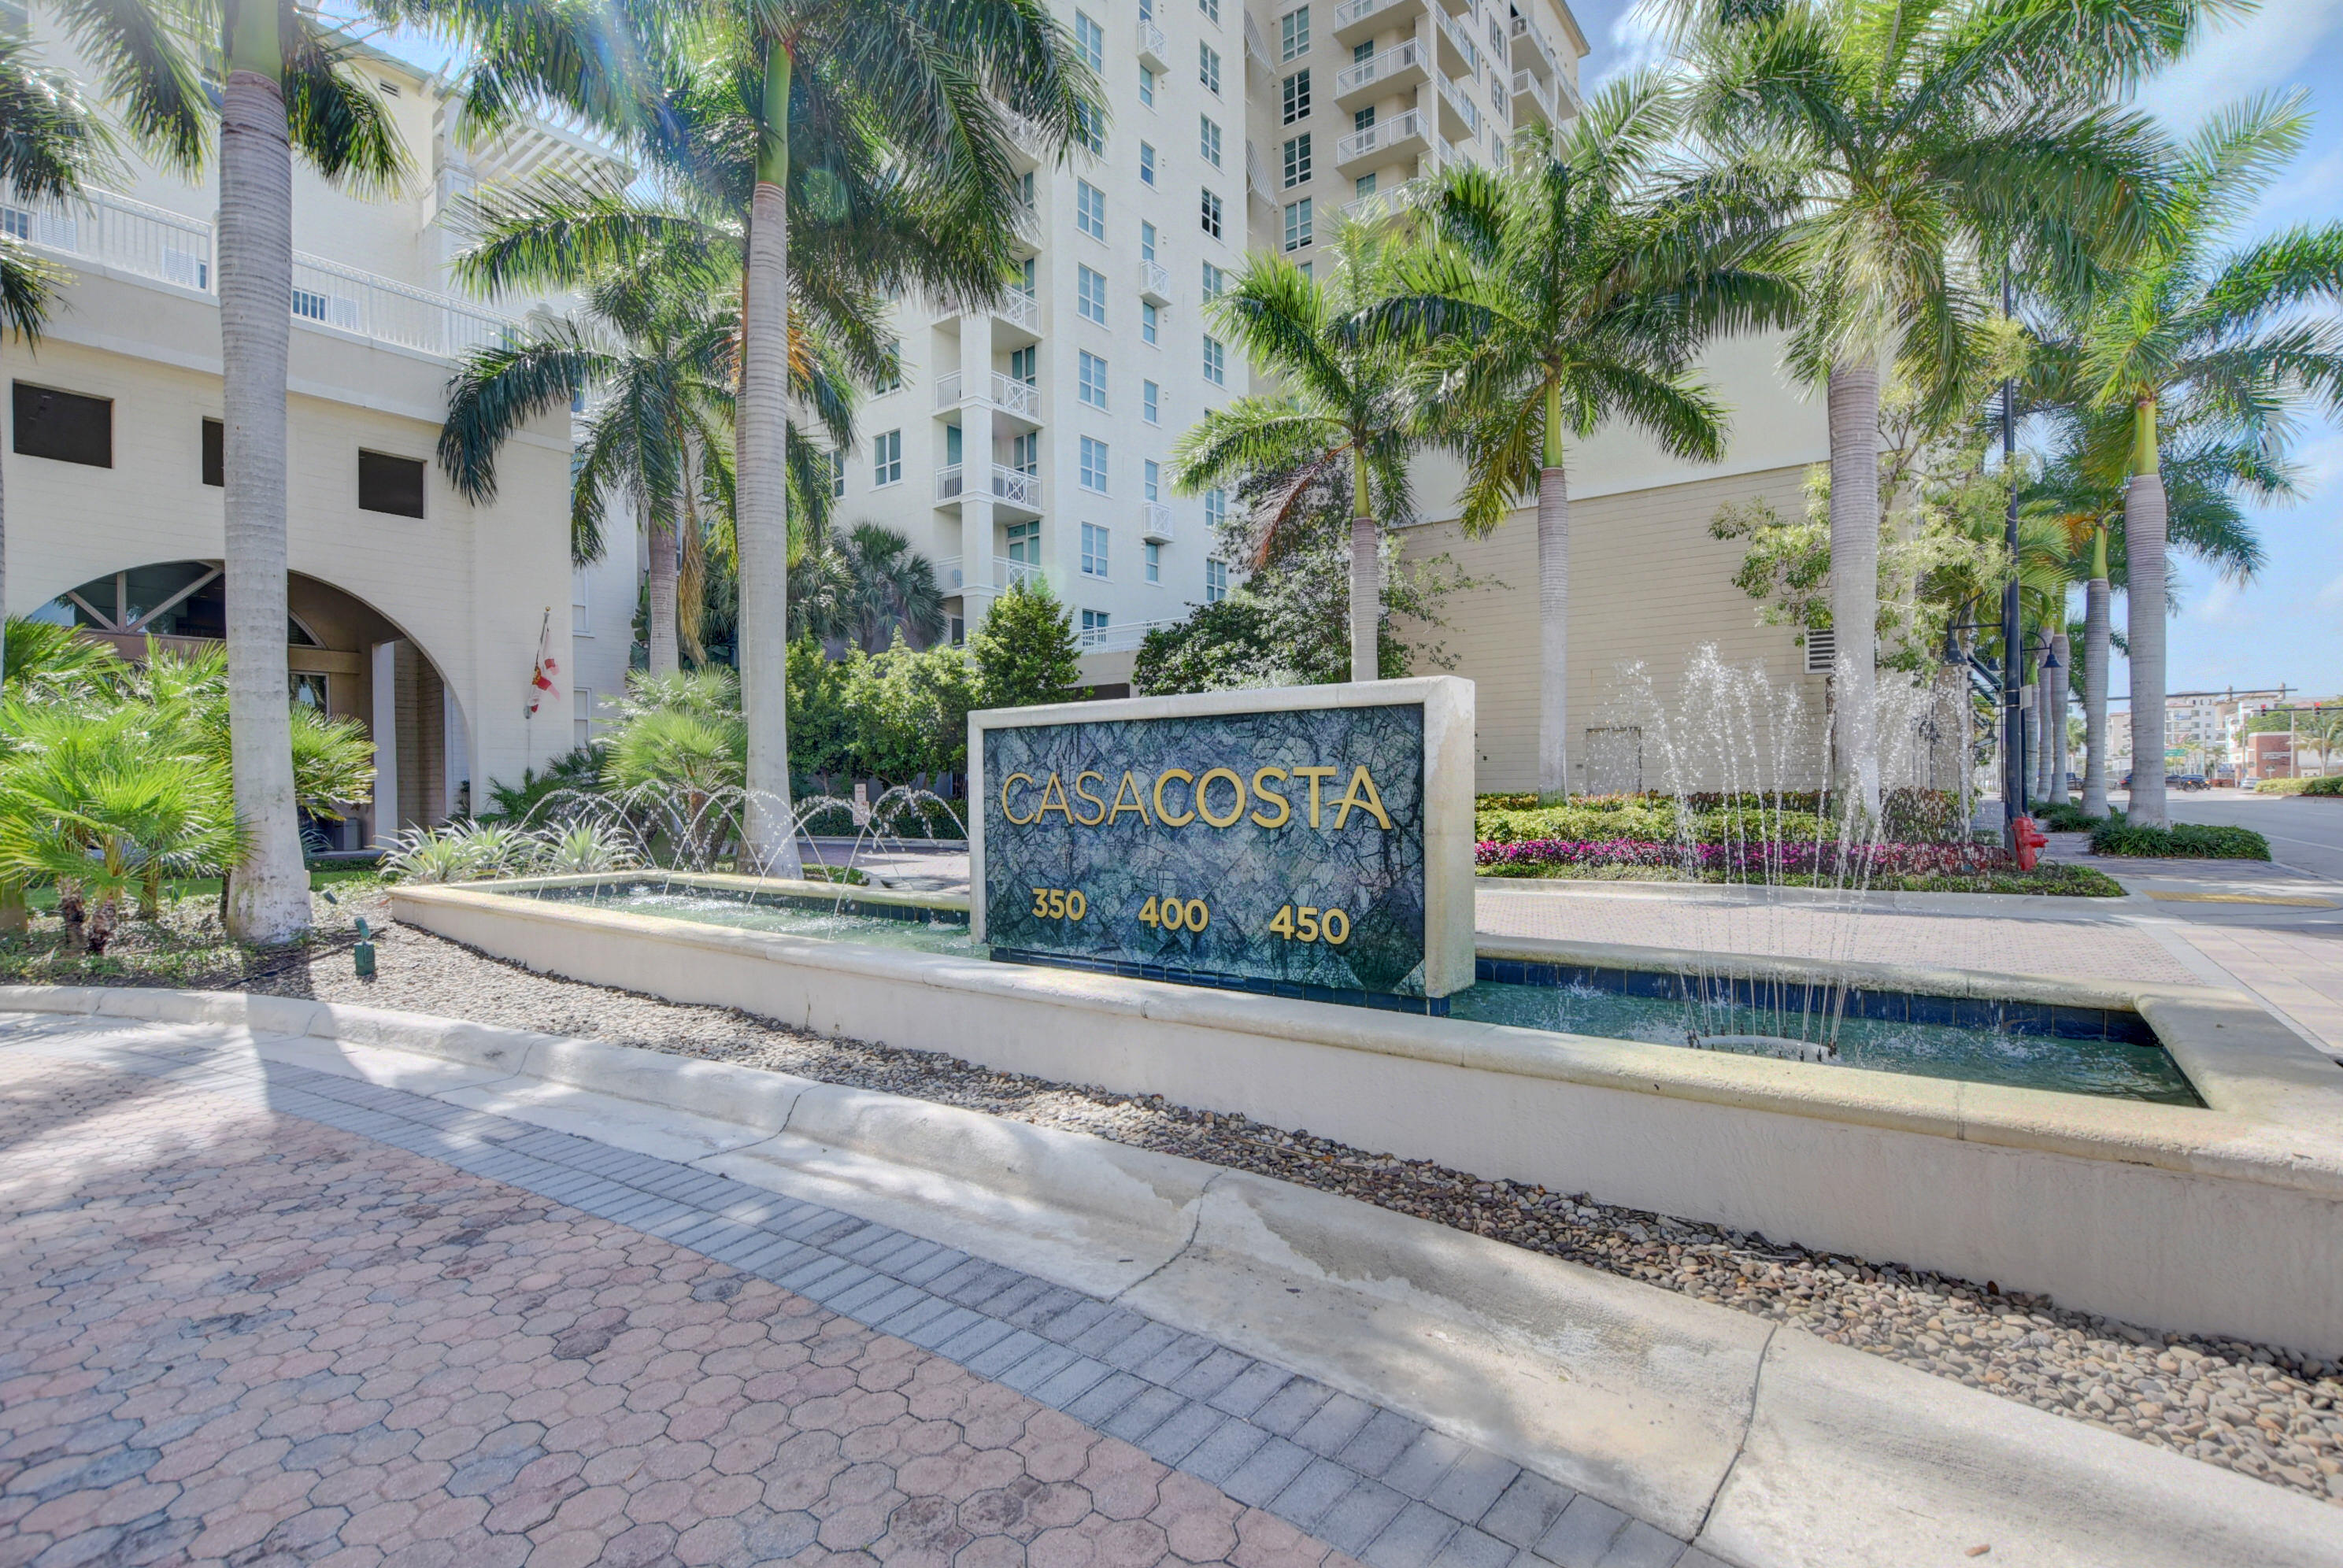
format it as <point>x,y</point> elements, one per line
<point>363,954</point>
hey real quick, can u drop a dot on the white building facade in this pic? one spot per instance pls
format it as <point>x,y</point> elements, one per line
<point>413,610</point>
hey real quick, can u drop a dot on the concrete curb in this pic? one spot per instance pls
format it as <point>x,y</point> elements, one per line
<point>1766,1445</point>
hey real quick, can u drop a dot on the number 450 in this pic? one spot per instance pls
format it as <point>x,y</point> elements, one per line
<point>1310,924</point>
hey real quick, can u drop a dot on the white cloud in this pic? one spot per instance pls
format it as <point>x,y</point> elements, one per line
<point>2320,459</point>
<point>2251,55</point>
<point>1637,38</point>
<point>2331,596</point>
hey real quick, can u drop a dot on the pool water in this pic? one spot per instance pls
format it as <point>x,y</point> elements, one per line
<point>2110,1067</point>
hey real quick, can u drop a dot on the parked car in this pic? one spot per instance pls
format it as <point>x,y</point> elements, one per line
<point>2187,781</point>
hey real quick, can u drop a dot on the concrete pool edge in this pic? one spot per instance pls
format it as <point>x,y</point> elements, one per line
<point>2146,1213</point>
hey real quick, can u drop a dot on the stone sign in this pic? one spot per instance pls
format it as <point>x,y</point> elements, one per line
<point>1305,840</point>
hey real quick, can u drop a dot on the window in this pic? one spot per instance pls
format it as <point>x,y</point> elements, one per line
<point>1211,215</point>
<point>1089,210</point>
<point>581,615</point>
<point>954,441</point>
<point>1297,158</point>
<point>1297,223</point>
<point>1215,362</point>
<point>1208,139</point>
<point>1297,95</point>
<point>1090,295</point>
<point>1021,364</point>
<point>1093,471</point>
<point>1025,544</point>
<point>1293,34</point>
<point>1089,128</point>
<point>1089,41</point>
<point>1216,581</point>
<point>887,458</point>
<point>1216,507</point>
<point>390,484</point>
<point>1150,400</point>
<point>1362,51</point>
<point>1366,185</point>
<point>214,453</point>
<point>1090,379</point>
<point>1212,10</point>
<point>1094,551</point>
<point>1094,624</point>
<point>1215,281</point>
<point>64,426</point>
<point>1154,553</point>
<point>1364,119</point>
<point>1208,67</point>
<point>1308,269</point>
<point>1150,318</point>
<point>837,476</point>
<point>1147,242</point>
<point>1025,452</point>
<point>1147,86</point>
<point>1028,274</point>
<point>1146,164</point>
<point>581,720</point>
<point>1151,479</point>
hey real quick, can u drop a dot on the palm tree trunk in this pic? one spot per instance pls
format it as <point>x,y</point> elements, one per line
<point>665,660</point>
<point>2096,646</point>
<point>2060,685</point>
<point>1854,399</point>
<point>271,898</point>
<point>1554,606</point>
<point>761,510</point>
<point>1366,579</point>
<point>2144,535</point>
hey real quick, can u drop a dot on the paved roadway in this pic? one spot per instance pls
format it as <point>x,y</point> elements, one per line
<point>257,1315</point>
<point>2306,834</point>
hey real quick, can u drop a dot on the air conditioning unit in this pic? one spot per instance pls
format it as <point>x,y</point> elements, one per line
<point>1822,651</point>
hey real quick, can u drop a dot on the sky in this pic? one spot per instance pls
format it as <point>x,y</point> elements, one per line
<point>2286,627</point>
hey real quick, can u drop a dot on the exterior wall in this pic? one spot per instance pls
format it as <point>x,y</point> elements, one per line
<point>603,595</point>
<point>1648,586</point>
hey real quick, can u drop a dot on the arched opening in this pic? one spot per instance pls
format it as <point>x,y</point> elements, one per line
<point>345,658</point>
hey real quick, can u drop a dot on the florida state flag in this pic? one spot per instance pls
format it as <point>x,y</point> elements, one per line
<point>540,677</point>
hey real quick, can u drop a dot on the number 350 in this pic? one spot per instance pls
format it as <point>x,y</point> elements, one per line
<point>1060,904</point>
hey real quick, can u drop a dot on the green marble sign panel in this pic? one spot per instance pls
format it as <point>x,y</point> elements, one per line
<point>1280,845</point>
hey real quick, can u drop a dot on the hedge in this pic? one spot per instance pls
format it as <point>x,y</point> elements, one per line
<point>2193,840</point>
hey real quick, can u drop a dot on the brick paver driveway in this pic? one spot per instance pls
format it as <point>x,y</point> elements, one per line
<point>230,1334</point>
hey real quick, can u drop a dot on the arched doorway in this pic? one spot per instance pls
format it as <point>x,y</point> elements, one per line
<point>343,656</point>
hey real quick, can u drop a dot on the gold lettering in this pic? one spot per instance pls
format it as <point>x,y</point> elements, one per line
<point>1005,811</point>
<point>1371,803</point>
<point>1204,808</point>
<point>1053,789</point>
<point>1083,794</point>
<point>1163,816</point>
<point>1313,775</point>
<point>1284,811</point>
<point>1129,787</point>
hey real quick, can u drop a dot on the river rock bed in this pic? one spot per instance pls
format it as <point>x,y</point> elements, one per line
<point>2251,1407</point>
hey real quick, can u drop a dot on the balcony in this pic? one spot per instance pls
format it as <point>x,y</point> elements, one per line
<point>1358,19</point>
<point>1152,50</point>
<point>1006,573</point>
<point>135,240</point>
<point>1154,282</point>
<point>1532,52</point>
<point>1025,222</point>
<point>1458,56</point>
<point>1021,400</point>
<point>1119,639</point>
<point>1384,142</point>
<point>1387,203</point>
<point>1015,309</point>
<point>1533,100</point>
<point>1459,116</point>
<point>1395,70</point>
<point>1155,522</point>
<point>1012,487</point>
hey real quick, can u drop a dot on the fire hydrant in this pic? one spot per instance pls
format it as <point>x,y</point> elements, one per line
<point>2029,842</point>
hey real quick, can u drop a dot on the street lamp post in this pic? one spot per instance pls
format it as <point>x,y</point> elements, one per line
<point>2013,666</point>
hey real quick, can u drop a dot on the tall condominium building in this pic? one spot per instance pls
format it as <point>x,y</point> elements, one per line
<point>1031,441</point>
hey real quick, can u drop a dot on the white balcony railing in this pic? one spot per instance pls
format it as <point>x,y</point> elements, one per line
<point>129,236</point>
<point>1155,521</point>
<point>1380,67</point>
<point>1379,136</point>
<point>1453,31</point>
<point>1354,10</point>
<point>1384,204</point>
<point>1466,110</point>
<point>1152,49</point>
<point>1154,282</point>
<point>1527,85</point>
<point>948,387</point>
<point>1524,28</point>
<point>1012,486</point>
<point>1017,397</point>
<point>1006,573</point>
<point>1119,637</point>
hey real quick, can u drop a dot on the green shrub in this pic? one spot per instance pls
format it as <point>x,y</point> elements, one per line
<point>2065,816</point>
<point>1746,824</point>
<point>2282,787</point>
<point>1646,822</point>
<point>2117,835</point>
<point>2330,785</point>
<point>1914,816</point>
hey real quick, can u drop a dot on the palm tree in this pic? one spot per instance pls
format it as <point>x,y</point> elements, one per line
<point>1909,151</point>
<point>1348,413</point>
<point>2194,336</point>
<point>892,587</point>
<point>2208,481</point>
<point>890,119</point>
<point>654,351</point>
<point>1569,303</point>
<point>49,142</point>
<point>285,83</point>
